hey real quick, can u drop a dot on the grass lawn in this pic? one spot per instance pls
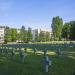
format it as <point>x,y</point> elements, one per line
<point>32,66</point>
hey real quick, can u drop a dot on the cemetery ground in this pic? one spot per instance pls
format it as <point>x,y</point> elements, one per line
<point>61,65</point>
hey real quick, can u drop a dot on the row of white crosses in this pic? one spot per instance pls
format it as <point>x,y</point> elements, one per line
<point>46,61</point>
<point>11,51</point>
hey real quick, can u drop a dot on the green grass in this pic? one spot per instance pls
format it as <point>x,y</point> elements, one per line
<point>32,66</point>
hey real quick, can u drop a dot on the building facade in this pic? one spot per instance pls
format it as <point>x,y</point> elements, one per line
<point>2,30</point>
<point>36,33</point>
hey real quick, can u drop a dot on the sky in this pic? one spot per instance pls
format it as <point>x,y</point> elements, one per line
<point>35,13</point>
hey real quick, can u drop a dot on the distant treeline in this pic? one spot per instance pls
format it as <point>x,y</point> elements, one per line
<point>24,36</point>
<point>59,32</point>
<point>62,31</point>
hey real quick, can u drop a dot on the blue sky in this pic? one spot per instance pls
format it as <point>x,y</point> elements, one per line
<point>35,13</point>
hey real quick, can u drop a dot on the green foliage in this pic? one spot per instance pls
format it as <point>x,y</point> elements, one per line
<point>18,37</point>
<point>10,35</point>
<point>66,31</point>
<point>72,30</point>
<point>42,36</point>
<point>29,34</point>
<point>13,34</point>
<point>48,36</point>
<point>59,31</point>
<point>7,36</point>
<point>23,34</point>
<point>57,24</point>
<point>36,36</point>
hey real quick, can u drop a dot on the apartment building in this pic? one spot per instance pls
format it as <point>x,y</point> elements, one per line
<point>34,33</point>
<point>37,31</point>
<point>2,29</point>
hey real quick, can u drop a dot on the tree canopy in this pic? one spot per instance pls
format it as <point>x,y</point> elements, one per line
<point>57,24</point>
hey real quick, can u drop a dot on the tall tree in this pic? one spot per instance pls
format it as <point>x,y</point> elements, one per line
<point>42,36</point>
<point>66,31</point>
<point>57,24</point>
<point>36,36</point>
<point>47,36</point>
<point>72,30</point>
<point>13,34</point>
<point>23,34</point>
<point>18,35</point>
<point>29,34</point>
<point>7,37</point>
